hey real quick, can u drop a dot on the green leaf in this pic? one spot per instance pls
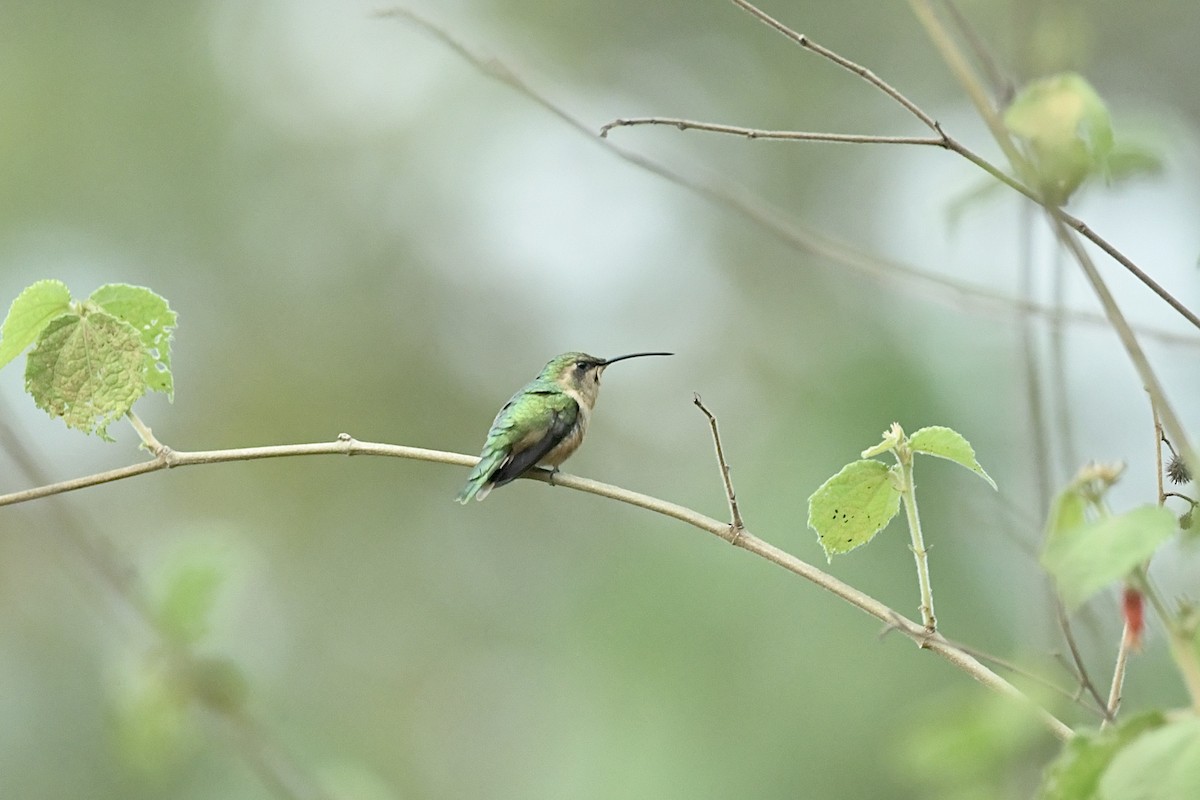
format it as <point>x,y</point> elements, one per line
<point>852,506</point>
<point>1086,558</point>
<point>1164,764</point>
<point>87,370</point>
<point>29,314</point>
<point>154,320</point>
<point>949,444</point>
<point>1067,129</point>
<point>1076,773</point>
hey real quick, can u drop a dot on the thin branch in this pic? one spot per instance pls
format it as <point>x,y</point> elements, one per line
<point>735,516</point>
<point>1118,679</point>
<point>1016,669</point>
<point>168,459</point>
<point>145,434</point>
<point>844,63</point>
<point>1081,673</point>
<point>758,133</point>
<point>347,445</point>
<point>1095,238</point>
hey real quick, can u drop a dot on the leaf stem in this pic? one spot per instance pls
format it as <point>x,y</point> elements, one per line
<point>908,494</point>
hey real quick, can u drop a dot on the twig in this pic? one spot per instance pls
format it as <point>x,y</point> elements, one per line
<point>145,434</point>
<point>1118,679</point>
<point>1016,669</point>
<point>757,133</point>
<point>347,445</point>
<point>1124,260</point>
<point>908,496</point>
<point>735,516</point>
<point>843,62</point>
<point>1081,673</point>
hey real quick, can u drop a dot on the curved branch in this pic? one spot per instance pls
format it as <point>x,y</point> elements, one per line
<point>346,445</point>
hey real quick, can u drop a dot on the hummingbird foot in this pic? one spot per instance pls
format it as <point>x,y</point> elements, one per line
<point>553,472</point>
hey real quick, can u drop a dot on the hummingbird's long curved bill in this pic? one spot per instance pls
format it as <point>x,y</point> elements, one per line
<point>633,355</point>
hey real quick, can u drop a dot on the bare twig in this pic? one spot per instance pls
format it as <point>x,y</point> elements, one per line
<point>1016,669</point>
<point>1124,260</point>
<point>735,516</point>
<point>843,62</point>
<point>1081,673</point>
<point>1118,679</point>
<point>347,445</point>
<point>757,133</point>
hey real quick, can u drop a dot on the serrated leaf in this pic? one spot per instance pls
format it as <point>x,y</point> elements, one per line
<point>1163,764</point>
<point>1068,131</point>
<point>1076,773</point>
<point>29,314</point>
<point>1086,558</point>
<point>852,506</point>
<point>154,320</point>
<point>87,370</point>
<point>949,444</point>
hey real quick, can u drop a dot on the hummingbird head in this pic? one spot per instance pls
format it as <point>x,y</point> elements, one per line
<point>579,373</point>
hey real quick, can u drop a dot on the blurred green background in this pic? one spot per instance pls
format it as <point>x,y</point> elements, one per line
<point>363,233</point>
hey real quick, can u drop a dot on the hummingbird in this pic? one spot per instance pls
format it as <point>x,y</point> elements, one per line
<point>543,423</point>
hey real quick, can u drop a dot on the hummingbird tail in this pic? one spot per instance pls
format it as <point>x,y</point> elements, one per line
<point>479,482</point>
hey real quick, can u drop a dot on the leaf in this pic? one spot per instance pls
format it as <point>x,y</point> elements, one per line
<point>87,370</point>
<point>29,314</point>
<point>1163,764</point>
<point>1068,131</point>
<point>1086,558</point>
<point>1076,773</point>
<point>852,506</point>
<point>153,318</point>
<point>949,444</point>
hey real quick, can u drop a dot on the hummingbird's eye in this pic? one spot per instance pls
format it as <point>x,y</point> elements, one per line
<point>581,366</point>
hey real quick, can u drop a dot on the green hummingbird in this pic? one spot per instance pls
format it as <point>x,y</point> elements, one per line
<point>543,423</point>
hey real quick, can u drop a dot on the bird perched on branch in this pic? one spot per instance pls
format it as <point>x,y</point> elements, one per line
<point>542,424</point>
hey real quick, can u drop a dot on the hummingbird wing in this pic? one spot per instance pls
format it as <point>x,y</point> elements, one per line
<point>552,422</point>
<point>524,431</point>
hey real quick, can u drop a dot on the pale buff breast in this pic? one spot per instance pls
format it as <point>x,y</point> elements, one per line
<point>563,450</point>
